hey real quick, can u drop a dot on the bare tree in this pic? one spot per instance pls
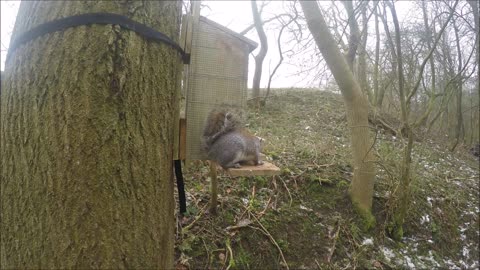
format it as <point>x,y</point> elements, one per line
<point>280,61</point>
<point>405,100</point>
<point>378,92</point>
<point>257,76</point>
<point>475,10</point>
<point>354,38</point>
<point>362,54</point>
<point>431,93</point>
<point>361,190</point>
<point>459,130</point>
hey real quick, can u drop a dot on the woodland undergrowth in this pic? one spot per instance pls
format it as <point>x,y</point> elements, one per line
<point>303,219</point>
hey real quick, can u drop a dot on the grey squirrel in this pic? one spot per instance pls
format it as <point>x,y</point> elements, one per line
<point>227,141</point>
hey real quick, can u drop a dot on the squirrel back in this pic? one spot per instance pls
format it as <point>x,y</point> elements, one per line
<point>221,120</point>
<point>227,141</point>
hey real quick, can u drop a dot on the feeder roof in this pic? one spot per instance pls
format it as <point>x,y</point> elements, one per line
<point>251,44</point>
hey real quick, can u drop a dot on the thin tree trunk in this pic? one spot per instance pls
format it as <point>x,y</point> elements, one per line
<point>475,9</point>
<point>431,94</point>
<point>361,190</point>
<point>459,131</point>
<point>377,101</point>
<point>472,119</point>
<point>404,188</point>
<point>354,38</point>
<point>87,137</point>
<point>447,93</point>
<point>257,76</point>
<point>280,61</point>
<point>389,38</point>
<point>405,100</point>
<point>362,57</point>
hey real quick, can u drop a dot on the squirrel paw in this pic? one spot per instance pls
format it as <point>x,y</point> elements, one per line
<point>237,165</point>
<point>260,163</point>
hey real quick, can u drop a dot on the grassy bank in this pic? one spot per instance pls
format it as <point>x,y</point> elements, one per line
<point>304,217</point>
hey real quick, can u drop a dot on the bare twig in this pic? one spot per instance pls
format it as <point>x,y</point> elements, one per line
<point>430,53</point>
<point>231,261</point>
<point>208,254</point>
<point>196,218</point>
<point>332,249</point>
<point>249,28</point>
<point>266,207</point>
<point>265,231</point>
<point>284,25</point>
<point>288,191</point>
<point>239,225</point>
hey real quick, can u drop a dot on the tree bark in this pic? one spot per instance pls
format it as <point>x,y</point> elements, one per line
<point>361,190</point>
<point>87,137</point>
<point>257,76</point>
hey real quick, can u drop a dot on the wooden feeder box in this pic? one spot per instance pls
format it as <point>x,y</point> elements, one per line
<point>217,74</point>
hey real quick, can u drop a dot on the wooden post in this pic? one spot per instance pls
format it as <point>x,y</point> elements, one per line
<point>213,187</point>
<point>182,151</point>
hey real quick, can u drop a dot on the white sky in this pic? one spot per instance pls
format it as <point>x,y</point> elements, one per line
<point>9,11</point>
<point>233,14</point>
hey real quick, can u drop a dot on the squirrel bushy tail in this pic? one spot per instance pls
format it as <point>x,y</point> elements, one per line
<point>227,141</point>
<point>221,120</point>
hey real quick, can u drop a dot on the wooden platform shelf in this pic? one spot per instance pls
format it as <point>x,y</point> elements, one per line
<point>267,169</point>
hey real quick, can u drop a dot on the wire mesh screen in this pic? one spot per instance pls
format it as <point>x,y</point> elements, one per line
<point>217,75</point>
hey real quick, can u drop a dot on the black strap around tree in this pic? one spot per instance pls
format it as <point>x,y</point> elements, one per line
<point>97,18</point>
<point>180,186</point>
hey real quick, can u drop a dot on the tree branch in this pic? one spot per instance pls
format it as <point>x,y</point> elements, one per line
<point>430,53</point>
<point>249,28</point>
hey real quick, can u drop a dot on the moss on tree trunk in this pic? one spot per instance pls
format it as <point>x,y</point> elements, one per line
<point>86,141</point>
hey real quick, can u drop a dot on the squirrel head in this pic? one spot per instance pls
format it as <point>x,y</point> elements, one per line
<point>261,142</point>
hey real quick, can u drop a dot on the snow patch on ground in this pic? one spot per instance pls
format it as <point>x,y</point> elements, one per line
<point>425,219</point>
<point>367,242</point>
<point>388,254</point>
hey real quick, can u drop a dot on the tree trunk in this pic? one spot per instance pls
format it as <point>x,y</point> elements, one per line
<point>257,75</point>
<point>87,138</point>
<point>459,130</point>
<point>354,38</point>
<point>403,194</point>
<point>405,100</point>
<point>362,57</point>
<point>475,9</point>
<point>376,95</point>
<point>431,94</point>
<point>361,190</point>
<point>280,53</point>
